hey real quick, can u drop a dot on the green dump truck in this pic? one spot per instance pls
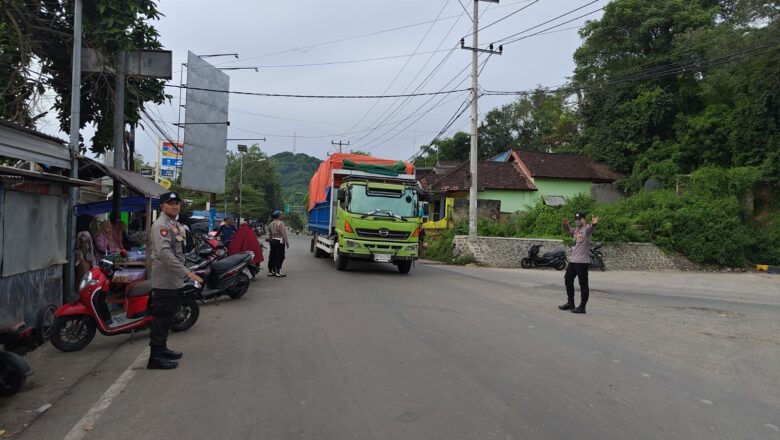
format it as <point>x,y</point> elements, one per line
<point>362,208</point>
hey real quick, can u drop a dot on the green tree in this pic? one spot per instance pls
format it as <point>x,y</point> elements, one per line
<point>36,43</point>
<point>539,121</point>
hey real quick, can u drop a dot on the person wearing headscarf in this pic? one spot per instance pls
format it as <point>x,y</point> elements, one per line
<point>277,238</point>
<point>85,253</point>
<point>246,240</point>
<point>105,241</point>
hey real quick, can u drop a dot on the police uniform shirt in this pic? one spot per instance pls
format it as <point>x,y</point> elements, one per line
<point>168,268</point>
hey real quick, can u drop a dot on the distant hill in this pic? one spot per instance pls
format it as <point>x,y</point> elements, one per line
<point>295,171</point>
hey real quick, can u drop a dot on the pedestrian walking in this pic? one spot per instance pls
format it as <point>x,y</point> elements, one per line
<point>168,275</point>
<point>579,262</point>
<point>277,239</point>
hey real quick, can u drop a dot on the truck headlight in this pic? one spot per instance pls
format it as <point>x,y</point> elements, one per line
<point>412,247</point>
<point>352,243</point>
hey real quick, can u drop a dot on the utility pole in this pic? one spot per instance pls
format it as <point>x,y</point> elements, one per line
<point>339,143</point>
<point>119,129</point>
<point>473,156</point>
<point>75,124</point>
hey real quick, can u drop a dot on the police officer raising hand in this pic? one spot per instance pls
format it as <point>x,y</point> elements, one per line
<point>168,275</point>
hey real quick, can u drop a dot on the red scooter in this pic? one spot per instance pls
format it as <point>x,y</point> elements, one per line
<point>75,323</point>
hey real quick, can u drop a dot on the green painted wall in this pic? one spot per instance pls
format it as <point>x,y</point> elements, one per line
<point>511,200</point>
<point>565,188</point>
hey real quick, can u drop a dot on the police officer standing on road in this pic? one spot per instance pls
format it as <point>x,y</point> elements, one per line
<point>168,274</point>
<point>579,262</point>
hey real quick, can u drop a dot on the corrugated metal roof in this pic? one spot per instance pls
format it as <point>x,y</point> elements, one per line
<point>554,200</point>
<point>23,143</point>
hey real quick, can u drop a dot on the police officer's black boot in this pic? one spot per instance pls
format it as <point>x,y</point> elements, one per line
<point>158,361</point>
<point>569,304</point>
<point>170,354</point>
<point>580,309</point>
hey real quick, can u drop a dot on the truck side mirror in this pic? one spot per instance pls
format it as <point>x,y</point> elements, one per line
<point>341,195</point>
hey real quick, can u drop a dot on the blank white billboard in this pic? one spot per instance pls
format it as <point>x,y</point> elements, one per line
<point>205,128</point>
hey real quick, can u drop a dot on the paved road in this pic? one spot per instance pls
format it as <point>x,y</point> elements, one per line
<point>445,353</point>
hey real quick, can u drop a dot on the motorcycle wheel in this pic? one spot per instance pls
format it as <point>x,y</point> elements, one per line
<point>72,332</point>
<point>12,379</point>
<point>187,316</point>
<point>560,265</point>
<point>44,322</point>
<point>602,266</point>
<point>526,263</point>
<point>240,288</point>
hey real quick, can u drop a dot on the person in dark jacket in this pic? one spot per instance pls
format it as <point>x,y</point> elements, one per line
<point>277,238</point>
<point>579,262</point>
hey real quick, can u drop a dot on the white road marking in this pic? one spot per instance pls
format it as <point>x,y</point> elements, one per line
<point>87,423</point>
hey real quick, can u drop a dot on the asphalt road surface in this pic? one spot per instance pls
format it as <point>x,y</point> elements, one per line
<point>450,353</point>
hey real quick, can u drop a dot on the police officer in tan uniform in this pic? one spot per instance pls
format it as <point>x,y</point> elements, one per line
<point>168,275</point>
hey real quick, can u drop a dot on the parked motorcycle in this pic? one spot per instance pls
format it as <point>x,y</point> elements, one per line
<point>227,276</point>
<point>75,323</point>
<point>597,257</point>
<point>556,258</point>
<point>14,369</point>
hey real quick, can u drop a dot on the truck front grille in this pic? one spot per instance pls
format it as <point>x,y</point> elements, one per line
<point>382,235</point>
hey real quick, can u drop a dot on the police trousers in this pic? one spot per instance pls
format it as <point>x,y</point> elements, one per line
<point>276,256</point>
<point>164,307</point>
<point>578,270</point>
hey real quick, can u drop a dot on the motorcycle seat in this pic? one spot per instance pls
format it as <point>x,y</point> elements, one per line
<point>555,253</point>
<point>140,288</point>
<point>226,263</point>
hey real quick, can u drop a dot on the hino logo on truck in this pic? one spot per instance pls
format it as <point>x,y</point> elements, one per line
<point>384,232</point>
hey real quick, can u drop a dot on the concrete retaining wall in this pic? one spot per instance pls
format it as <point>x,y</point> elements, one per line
<point>507,252</point>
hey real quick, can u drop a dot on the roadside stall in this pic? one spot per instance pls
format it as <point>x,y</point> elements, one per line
<point>136,265</point>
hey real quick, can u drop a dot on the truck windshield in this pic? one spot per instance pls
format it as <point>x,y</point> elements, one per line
<point>383,202</point>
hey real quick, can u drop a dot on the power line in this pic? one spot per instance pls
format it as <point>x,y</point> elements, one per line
<point>551,20</point>
<point>484,63</point>
<point>465,10</point>
<point>289,95</point>
<point>330,63</point>
<point>661,71</point>
<point>389,114</point>
<point>398,74</point>
<point>504,17</point>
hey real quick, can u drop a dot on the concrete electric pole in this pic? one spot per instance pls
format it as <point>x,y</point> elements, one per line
<point>473,156</point>
<point>339,143</point>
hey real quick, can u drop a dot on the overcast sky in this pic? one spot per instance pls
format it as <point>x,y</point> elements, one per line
<point>259,30</point>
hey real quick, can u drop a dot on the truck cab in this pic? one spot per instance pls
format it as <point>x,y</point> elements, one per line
<point>372,218</point>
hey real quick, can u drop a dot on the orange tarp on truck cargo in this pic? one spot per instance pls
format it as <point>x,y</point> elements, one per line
<point>321,179</point>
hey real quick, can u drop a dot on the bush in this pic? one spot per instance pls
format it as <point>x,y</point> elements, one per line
<point>707,223</point>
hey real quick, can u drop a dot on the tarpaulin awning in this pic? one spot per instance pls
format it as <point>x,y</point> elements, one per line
<point>92,169</point>
<point>129,204</point>
<point>321,179</point>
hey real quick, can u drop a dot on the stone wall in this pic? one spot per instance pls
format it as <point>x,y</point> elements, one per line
<point>507,252</point>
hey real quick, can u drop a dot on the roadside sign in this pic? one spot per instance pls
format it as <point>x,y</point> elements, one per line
<point>166,173</point>
<point>171,162</point>
<point>165,183</point>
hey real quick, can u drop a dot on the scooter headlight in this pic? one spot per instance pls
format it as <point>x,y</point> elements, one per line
<point>87,280</point>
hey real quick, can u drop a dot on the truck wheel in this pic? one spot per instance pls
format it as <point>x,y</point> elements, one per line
<point>312,247</point>
<point>339,260</point>
<point>404,266</point>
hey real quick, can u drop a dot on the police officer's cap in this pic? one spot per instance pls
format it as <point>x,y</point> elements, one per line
<point>169,196</point>
<point>276,214</point>
<point>579,214</point>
